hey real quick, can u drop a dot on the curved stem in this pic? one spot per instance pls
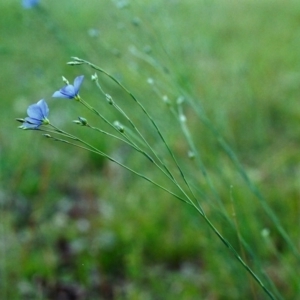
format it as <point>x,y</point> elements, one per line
<point>97,151</point>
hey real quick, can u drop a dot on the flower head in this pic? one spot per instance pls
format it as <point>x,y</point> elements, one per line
<point>37,115</point>
<point>29,3</point>
<point>70,91</point>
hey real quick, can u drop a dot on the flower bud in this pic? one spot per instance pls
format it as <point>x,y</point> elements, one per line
<point>265,232</point>
<point>109,99</point>
<point>65,80</point>
<point>166,100</point>
<point>81,121</point>
<point>94,77</point>
<point>182,118</point>
<point>191,155</point>
<point>20,120</point>
<point>150,81</point>
<point>74,63</point>
<point>119,126</point>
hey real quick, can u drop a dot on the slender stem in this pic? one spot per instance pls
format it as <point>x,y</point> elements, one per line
<point>97,151</point>
<point>186,132</point>
<point>79,60</point>
<point>236,255</point>
<point>252,187</point>
<point>120,139</point>
<point>168,174</point>
<point>134,127</point>
<point>225,146</point>
<point>196,207</point>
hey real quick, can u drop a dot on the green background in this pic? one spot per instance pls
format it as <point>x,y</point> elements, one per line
<point>76,225</point>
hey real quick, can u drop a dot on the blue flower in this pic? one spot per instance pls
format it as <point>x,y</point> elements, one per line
<point>37,115</point>
<point>29,3</point>
<point>70,91</point>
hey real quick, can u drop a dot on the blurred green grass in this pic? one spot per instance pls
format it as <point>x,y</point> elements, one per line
<point>72,223</point>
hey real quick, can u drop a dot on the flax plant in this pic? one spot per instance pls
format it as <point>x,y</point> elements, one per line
<point>38,119</point>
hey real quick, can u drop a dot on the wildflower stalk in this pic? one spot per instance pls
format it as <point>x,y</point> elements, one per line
<point>82,61</point>
<point>227,149</point>
<point>250,184</point>
<point>237,256</point>
<point>126,141</point>
<point>191,144</point>
<point>93,149</point>
<point>89,107</point>
<point>97,151</point>
<point>136,129</point>
<point>196,205</point>
<point>201,166</point>
<point>168,174</point>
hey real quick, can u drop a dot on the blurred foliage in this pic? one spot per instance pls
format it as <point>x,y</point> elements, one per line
<point>75,226</point>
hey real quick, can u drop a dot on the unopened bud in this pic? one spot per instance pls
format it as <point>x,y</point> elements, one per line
<point>20,120</point>
<point>166,100</point>
<point>109,99</point>
<point>65,80</point>
<point>180,100</point>
<point>182,118</point>
<point>94,77</point>
<point>81,121</point>
<point>74,63</point>
<point>265,232</point>
<point>191,155</point>
<point>150,81</point>
<point>119,126</point>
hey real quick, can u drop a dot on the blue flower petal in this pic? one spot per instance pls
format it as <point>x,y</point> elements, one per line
<point>38,111</point>
<point>68,90</point>
<point>28,126</point>
<point>32,121</point>
<point>58,94</point>
<point>29,3</point>
<point>77,83</point>
<point>34,111</point>
<point>44,108</point>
